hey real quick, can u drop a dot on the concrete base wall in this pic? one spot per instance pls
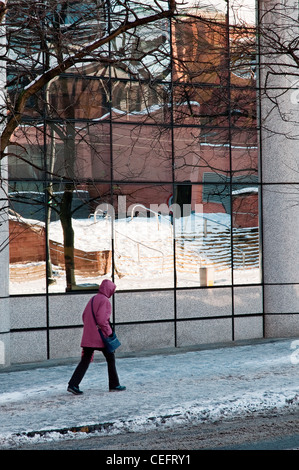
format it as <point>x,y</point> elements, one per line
<point>203,316</point>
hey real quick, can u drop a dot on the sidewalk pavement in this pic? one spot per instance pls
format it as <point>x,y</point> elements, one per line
<point>164,388</point>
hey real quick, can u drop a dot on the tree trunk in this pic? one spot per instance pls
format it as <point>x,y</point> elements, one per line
<point>68,235</point>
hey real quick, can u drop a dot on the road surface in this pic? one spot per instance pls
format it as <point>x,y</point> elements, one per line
<point>279,431</point>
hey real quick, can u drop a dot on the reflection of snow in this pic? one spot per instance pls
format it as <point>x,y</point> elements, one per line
<point>254,189</point>
<point>144,248</point>
<point>240,10</point>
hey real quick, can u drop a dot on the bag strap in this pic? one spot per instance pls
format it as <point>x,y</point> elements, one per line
<point>98,327</point>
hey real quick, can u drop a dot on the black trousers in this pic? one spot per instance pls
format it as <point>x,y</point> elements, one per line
<point>84,364</point>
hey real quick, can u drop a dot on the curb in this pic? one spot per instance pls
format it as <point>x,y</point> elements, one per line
<point>193,415</point>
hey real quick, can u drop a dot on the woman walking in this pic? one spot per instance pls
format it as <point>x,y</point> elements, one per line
<point>91,339</point>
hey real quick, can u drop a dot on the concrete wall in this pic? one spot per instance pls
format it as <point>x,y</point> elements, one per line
<point>203,316</point>
<point>4,274</point>
<point>280,173</point>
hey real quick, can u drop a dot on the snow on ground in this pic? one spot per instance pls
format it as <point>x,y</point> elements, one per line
<point>167,389</point>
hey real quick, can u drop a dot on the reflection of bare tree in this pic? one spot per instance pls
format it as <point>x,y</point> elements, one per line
<point>142,100</point>
<point>46,40</point>
<point>279,50</point>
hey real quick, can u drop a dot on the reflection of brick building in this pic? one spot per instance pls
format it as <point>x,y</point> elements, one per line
<point>27,242</point>
<point>28,245</point>
<point>212,144</point>
<point>214,138</point>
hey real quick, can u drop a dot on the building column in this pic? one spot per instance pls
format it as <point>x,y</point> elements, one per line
<point>279,171</point>
<point>4,231</point>
<point>4,273</point>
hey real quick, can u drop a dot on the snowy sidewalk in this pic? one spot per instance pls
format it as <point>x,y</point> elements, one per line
<point>173,387</point>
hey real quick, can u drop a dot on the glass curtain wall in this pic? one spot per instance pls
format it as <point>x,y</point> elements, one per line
<point>143,171</point>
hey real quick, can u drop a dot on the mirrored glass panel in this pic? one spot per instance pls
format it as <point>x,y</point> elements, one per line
<point>27,238</point>
<point>139,101</point>
<point>80,236</point>
<point>202,235</point>
<point>27,153</point>
<point>206,106</point>
<point>245,163</point>
<point>143,237</point>
<point>80,94</point>
<point>141,153</point>
<point>201,159</point>
<point>200,44</point>
<point>78,151</point>
<point>246,236</point>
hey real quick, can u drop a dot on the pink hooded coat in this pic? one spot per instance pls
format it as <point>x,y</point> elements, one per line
<point>102,310</point>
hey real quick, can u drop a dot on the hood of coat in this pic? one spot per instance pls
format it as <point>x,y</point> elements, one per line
<point>107,288</point>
